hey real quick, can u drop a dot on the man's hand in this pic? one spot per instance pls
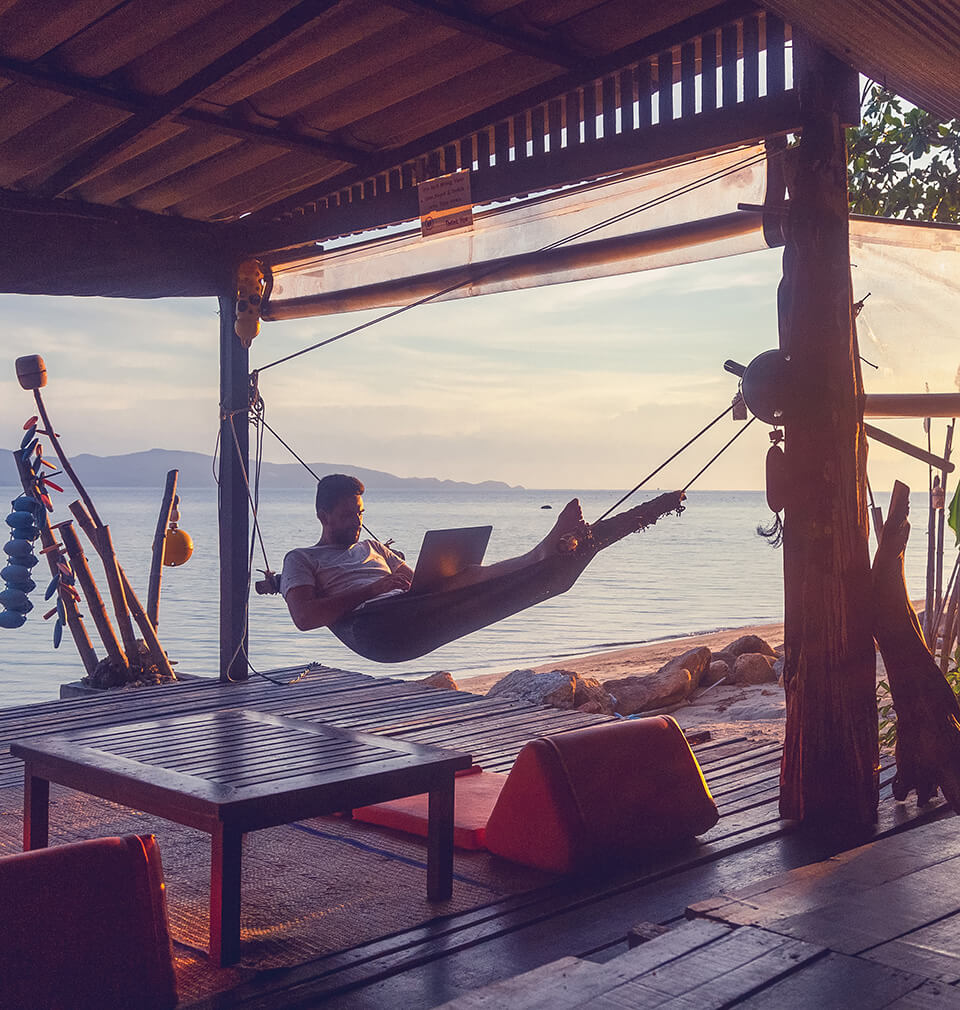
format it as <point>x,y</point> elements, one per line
<point>400,579</point>
<point>310,611</point>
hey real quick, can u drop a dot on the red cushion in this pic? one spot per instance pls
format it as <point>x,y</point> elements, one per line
<point>606,792</point>
<point>85,926</point>
<point>475,794</point>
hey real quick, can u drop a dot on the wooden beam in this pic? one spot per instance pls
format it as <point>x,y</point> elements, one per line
<point>233,514</point>
<point>65,83</point>
<point>542,48</point>
<point>711,131</point>
<point>58,247</point>
<point>829,770</point>
<point>163,107</point>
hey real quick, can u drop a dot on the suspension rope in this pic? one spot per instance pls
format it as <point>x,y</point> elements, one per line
<point>682,190</point>
<point>723,413</point>
<point>714,458</point>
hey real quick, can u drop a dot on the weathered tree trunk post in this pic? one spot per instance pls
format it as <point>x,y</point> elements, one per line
<point>233,514</point>
<point>829,770</point>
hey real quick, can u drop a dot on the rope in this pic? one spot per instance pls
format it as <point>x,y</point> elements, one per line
<point>650,476</point>
<point>714,458</point>
<point>622,216</point>
<point>257,412</point>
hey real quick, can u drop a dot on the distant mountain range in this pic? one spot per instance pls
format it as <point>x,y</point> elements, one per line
<point>149,469</point>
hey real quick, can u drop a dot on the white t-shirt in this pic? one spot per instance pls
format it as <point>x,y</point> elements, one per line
<point>332,570</point>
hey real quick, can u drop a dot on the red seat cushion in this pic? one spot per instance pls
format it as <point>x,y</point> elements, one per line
<point>85,926</point>
<point>606,792</point>
<point>475,794</point>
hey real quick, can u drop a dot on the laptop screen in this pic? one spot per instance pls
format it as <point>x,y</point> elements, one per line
<point>446,552</point>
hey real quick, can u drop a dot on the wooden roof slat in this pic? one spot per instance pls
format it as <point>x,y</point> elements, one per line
<point>256,187</point>
<point>425,112</point>
<point>31,28</point>
<point>26,106</point>
<point>70,84</point>
<point>553,50</point>
<point>345,25</point>
<point>217,170</point>
<point>167,104</point>
<point>167,149</point>
<point>25,156</point>
<point>353,68</point>
<point>128,31</point>
<point>416,75</point>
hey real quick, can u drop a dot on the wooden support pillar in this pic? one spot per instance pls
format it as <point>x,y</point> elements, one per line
<point>829,770</point>
<point>234,517</point>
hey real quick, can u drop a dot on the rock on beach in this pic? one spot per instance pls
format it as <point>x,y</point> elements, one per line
<point>740,663</point>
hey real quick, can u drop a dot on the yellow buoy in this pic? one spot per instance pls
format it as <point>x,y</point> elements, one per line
<point>177,547</point>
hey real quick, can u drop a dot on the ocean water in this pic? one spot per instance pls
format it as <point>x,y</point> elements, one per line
<point>704,570</point>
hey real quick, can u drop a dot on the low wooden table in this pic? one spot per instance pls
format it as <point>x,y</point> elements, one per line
<point>231,772</point>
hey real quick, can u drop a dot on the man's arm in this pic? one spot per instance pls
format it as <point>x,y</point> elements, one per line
<point>310,611</point>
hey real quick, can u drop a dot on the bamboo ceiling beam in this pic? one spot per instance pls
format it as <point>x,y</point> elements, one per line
<point>167,105</point>
<point>547,50</point>
<point>72,85</point>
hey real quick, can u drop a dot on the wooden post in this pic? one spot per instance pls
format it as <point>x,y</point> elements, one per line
<point>156,560</point>
<point>234,517</point>
<point>829,770</point>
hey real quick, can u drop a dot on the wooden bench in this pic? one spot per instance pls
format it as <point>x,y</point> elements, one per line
<point>230,772</point>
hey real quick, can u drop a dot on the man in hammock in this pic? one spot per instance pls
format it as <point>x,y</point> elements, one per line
<point>325,585</point>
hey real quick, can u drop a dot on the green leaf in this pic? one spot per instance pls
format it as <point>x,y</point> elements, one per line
<point>953,515</point>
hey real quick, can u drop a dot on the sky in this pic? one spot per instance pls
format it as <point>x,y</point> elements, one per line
<point>590,384</point>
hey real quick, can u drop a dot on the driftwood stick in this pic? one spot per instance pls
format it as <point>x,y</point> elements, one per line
<point>156,561</point>
<point>120,609</point>
<point>78,629</point>
<point>94,602</point>
<point>154,647</point>
<point>64,461</point>
<point>103,544</point>
<point>928,715</point>
<point>949,624</point>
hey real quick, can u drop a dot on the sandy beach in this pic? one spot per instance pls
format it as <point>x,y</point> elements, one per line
<point>756,711</point>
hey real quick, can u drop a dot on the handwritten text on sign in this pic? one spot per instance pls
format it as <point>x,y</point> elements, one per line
<point>445,203</point>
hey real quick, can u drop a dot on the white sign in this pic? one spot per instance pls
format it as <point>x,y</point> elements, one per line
<point>445,204</point>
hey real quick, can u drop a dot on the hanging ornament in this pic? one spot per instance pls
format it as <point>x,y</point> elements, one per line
<point>250,287</point>
<point>776,474</point>
<point>177,543</point>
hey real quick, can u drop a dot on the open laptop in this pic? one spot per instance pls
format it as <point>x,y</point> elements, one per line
<point>445,552</point>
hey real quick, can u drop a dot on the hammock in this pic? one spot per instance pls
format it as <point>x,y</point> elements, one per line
<point>408,626</point>
<point>399,628</point>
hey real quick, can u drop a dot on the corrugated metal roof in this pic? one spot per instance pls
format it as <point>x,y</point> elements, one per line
<point>910,46</point>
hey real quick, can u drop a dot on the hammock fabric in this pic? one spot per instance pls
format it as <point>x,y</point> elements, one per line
<point>404,627</point>
<point>399,628</point>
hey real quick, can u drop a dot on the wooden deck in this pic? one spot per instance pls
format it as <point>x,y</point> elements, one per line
<point>586,918</point>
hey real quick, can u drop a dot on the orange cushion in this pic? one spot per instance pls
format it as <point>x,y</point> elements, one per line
<point>85,926</point>
<point>475,793</point>
<point>606,792</point>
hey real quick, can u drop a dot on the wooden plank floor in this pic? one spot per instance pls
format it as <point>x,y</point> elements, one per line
<point>427,965</point>
<point>873,927</point>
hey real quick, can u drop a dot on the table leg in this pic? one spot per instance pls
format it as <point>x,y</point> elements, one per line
<point>440,841</point>
<point>36,811</point>
<point>225,855</point>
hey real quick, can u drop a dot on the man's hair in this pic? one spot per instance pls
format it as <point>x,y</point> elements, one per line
<point>332,489</point>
